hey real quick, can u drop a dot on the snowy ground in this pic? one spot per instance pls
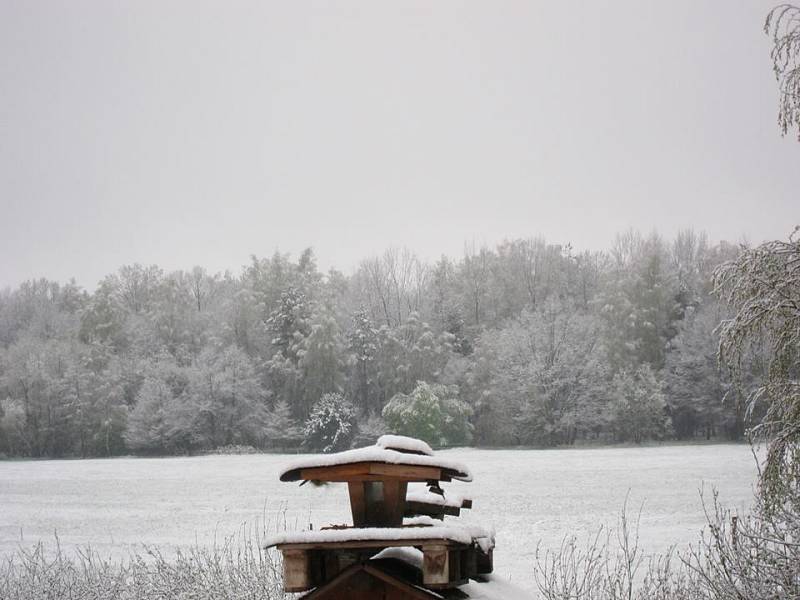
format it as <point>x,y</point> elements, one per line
<point>526,495</point>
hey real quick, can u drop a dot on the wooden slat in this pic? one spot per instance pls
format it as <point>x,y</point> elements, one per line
<point>394,497</point>
<point>406,472</point>
<point>358,505</point>
<point>484,562</point>
<point>350,584</point>
<point>296,570</point>
<point>437,511</point>
<point>371,471</point>
<point>417,543</point>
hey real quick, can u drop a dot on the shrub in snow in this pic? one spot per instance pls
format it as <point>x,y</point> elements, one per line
<point>331,425</point>
<point>638,406</point>
<point>431,413</point>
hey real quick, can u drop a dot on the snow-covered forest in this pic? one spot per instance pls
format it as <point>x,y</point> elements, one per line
<point>526,343</point>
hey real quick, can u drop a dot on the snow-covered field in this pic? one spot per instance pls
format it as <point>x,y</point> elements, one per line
<point>528,496</point>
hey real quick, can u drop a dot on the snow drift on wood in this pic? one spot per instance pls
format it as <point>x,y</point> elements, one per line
<point>455,533</point>
<point>374,454</point>
<point>420,493</point>
<point>402,443</point>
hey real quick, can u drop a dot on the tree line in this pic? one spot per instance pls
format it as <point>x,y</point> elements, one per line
<point>524,343</point>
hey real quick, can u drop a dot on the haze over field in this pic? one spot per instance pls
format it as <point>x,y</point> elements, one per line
<point>192,133</point>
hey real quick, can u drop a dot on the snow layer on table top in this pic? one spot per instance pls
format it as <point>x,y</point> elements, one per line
<point>371,534</point>
<point>480,535</point>
<point>420,493</point>
<point>461,534</point>
<point>374,454</point>
<point>492,587</point>
<point>403,443</point>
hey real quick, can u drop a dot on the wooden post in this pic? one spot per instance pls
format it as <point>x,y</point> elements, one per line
<point>484,561</point>
<point>358,503</point>
<point>296,570</point>
<point>435,565</point>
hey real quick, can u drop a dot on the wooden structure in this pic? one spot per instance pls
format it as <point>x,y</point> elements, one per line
<point>397,479</point>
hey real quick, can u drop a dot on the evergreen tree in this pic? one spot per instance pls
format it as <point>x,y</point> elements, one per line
<point>331,425</point>
<point>638,406</point>
<point>432,413</point>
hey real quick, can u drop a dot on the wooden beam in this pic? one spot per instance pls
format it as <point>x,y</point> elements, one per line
<point>484,561</point>
<point>437,511</point>
<point>371,471</point>
<point>352,544</point>
<point>296,570</point>
<point>358,504</point>
<point>346,584</point>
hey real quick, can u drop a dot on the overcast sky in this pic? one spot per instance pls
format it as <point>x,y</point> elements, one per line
<point>183,133</point>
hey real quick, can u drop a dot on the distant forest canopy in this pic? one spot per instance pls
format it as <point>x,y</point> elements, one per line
<point>526,343</point>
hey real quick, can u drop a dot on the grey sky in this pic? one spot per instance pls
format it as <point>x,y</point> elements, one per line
<point>183,133</point>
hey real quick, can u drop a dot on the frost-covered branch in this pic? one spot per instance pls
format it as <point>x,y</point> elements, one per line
<point>762,286</point>
<point>783,25</point>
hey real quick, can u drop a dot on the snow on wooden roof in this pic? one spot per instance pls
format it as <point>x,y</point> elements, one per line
<point>402,443</point>
<point>375,454</point>
<point>460,534</point>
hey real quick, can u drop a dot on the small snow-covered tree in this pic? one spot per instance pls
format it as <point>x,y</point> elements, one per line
<point>321,357</point>
<point>331,425</point>
<point>638,406</point>
<point>282,430</point>
<point>695,386</point>
<point>147,424</point>
<point>362,342</point>
<point>227,391</point>
<point>432,413</point>
<point>12,428</point>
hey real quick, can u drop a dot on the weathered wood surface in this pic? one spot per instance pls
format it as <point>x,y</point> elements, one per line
<point>377,544</point>
<point>378,503</point>
<point>444,565</point>
<point>296,570</point>
<point>371,471</point>
<point>364,582</point>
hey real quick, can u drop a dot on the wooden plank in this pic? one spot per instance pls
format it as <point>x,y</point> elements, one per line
<point>469,565</point>
<point>435,565</point>
<point>334,473</point>
<point>370,471</point>
<point>365,582</point>
<point>394,497</point>
<point>437,511</point>
<point>317,567</point>
<point>406,472</point>
<point>358,505</point>
<point>405,590</point>
<point>296,571</point>
<point>485,561</point>
<point>353,544</point>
